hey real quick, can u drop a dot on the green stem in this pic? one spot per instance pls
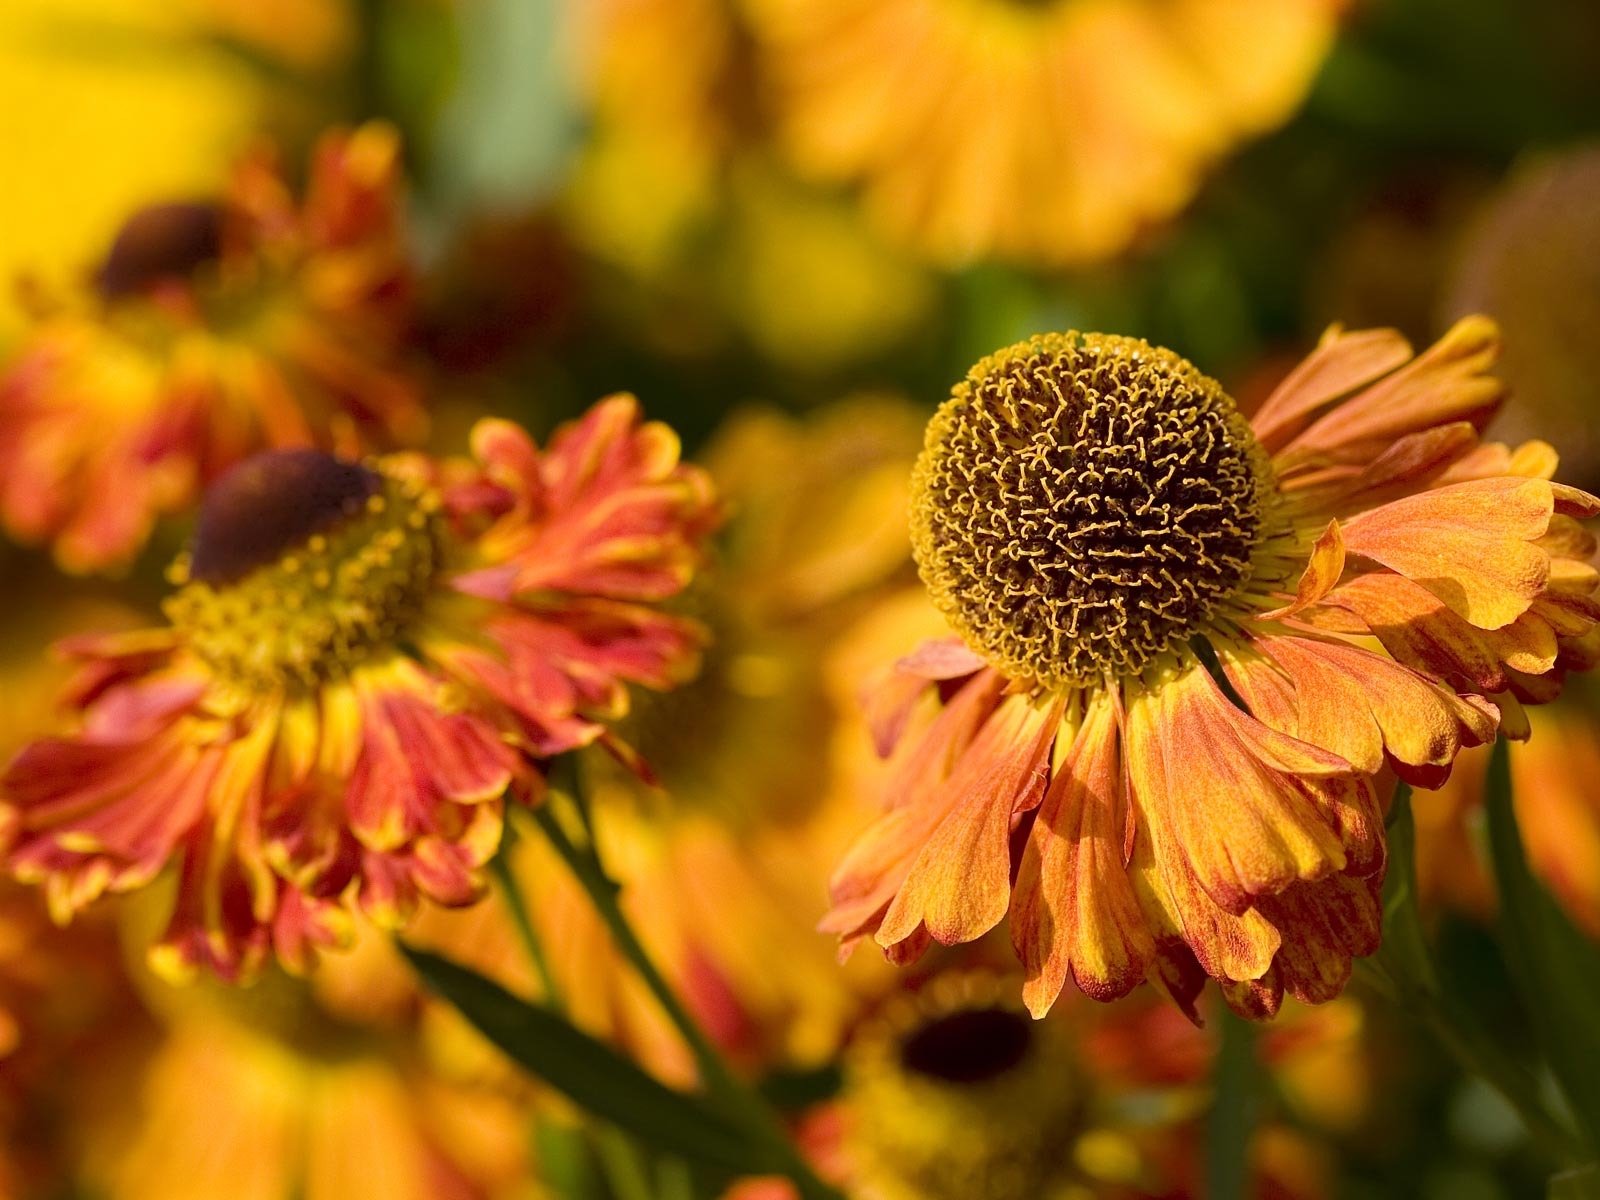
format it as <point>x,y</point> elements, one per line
<point>1233,1111</point>
<point>516,903</point>
<point>738,1101</point>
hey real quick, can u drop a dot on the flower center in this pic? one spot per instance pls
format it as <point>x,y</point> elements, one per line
<point>160,243</point>
<point>956,1093</point>
<point>302,565</point>
<point>1082,504</point>
<point>968,1046</point>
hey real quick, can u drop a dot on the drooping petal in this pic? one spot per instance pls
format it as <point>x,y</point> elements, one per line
<point>959,885</point>
<point>1226,788</point>
<point>1075,911</point>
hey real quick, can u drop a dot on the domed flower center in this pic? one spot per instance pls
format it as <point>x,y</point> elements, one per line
<point>302,565</point>
<point>1082,504</point>
<point>160,243</point>
<point>968,1046</point>
<point>956,1094</point>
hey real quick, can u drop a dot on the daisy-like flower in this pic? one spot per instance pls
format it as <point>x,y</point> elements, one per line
<point>213,331</point>
<point>1045,131</point>
<point>951,1092</point>
<point>362,659</point>
<point>1193,651</point>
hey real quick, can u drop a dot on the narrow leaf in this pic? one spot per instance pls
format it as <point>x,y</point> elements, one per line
<point>590,1073</point>
<point>1556,967</point>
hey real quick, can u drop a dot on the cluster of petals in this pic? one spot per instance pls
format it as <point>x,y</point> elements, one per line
<point>284,809</point>
<point>1226,819</point>
<point>213,330</point>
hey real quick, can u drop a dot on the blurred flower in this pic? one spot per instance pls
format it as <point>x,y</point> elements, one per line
<point>361,660</point>
<point>304,34</point>
<point>276,1092</point>
<point>1531,262</point>
<point>1558,813</point>
<point>215,331</point>
<point>1193,648</point>
<point>654,74</point>
<point>809,284</point>
<point>65,1008</point>
<point>724,859</point>
<point>1044,132</point>
<point>951,1090</point>
<point>106,105</point>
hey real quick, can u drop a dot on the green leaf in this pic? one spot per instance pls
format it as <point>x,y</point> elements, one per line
<point>591,1074</point>
<point>1405,945</point>
<point>1582,1184</point>
<point>1556,967</point>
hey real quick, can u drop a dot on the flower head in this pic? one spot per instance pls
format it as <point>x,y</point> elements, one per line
<point>1192,650</point>
<point>950,1090</point>
<point>1043,131</point>
<point>361,659</point>
<point>215,330</point>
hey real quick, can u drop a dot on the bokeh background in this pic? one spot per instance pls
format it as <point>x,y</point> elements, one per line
<point>789,226</point>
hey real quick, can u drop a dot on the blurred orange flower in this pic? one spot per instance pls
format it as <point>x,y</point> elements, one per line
<point>361,661</point>
<point>1049,132</point>
<point>1558,814</point>
<point>1194,648</point>
<point>215,330</point>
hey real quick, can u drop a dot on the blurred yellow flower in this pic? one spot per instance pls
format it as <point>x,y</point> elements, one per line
<point>303,1090</point>
<point>105,105</point>
<point>1048,132</point>
<point>215,329</point>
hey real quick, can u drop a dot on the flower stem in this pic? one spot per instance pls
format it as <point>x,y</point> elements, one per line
<point>500,868</point>
<point>1233,1111</point>
<point>737,1100</point>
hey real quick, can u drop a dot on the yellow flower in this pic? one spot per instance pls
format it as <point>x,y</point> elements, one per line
<point>301,1089</point>
<point>724,860</point>
<point>215,330</point>
<point>1192,650</point>
<point>1046,132</point>
<point>951,1092</point>
<point>105,105</point>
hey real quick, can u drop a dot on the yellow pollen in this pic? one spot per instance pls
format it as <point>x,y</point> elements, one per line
<point>317,610</point>
<point>1083,503</point>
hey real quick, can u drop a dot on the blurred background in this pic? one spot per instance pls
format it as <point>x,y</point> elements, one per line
<point>789,226</point>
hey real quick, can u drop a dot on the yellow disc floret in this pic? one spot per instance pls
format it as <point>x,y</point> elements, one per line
<point>1083,503</point>
<point>302,567</point>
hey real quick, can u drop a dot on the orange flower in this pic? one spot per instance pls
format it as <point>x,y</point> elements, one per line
<point>1558,813</point>
<point>215,330</point>
<point>362,659</point>
<point>1193,649</point>
<point>1045,132</point>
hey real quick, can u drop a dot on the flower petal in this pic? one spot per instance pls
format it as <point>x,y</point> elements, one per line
<point>1075,909</point>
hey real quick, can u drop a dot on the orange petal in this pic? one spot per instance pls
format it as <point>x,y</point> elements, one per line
<point>959,887</point>
<point>1360,706</point>
<point>1225,786</point>
<point>1470,544</point>
<point>1322,572</point>
<point>1445,384</point>
<point>1075,908</point>
<point>1342,363</point>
